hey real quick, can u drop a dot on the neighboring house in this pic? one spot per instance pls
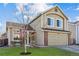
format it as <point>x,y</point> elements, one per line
<point>47,29</point>
<point>3,39</point>
<point>77,31</point>
<point>0,34</point>
<point>15,33</point>
<point>51,28</point>
<point>4,35</point>
<point>74,29</point>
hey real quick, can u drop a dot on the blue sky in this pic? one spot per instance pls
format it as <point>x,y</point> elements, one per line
<point>12,12</point>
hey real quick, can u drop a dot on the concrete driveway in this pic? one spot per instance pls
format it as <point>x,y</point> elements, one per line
<point>73,48</point>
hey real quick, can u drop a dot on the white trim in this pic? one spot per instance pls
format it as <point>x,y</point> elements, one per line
<point>53,22</point>
<point>76,34</point>
<point>42,21</point>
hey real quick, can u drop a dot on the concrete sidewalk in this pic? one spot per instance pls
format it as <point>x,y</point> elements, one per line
<point>72,48</point>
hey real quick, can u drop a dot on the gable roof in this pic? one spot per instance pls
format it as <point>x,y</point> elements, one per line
<point>47,11</point>
<point>18,25</point>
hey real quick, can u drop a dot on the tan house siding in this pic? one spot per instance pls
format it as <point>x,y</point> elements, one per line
<point>36,25</point>
<point>66,24</point>
<point>43,36</point>
<point>51,13</point>
<point>72,29</point>
<point>9,35</point>
<point>55,21</point>
<point>77,31</point>
<point>12,30</point>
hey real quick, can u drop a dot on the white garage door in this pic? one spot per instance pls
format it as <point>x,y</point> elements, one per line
<point>57,39</point>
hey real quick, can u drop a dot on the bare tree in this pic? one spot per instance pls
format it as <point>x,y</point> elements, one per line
<point>25,22</point>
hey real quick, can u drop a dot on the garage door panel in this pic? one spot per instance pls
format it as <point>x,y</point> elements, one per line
<point>57,39</point>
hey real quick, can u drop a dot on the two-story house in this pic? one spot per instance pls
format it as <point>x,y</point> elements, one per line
<point>50,28</point>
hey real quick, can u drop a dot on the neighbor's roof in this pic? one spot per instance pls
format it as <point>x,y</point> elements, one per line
<point>76,22</point>
<point>47,11</point>
<point>18,25</point>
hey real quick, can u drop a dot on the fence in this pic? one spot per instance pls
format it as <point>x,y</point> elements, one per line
<point>3,42</point>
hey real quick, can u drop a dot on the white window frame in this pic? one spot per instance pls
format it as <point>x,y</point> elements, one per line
<point>53,21</point>
<point>16,30</point>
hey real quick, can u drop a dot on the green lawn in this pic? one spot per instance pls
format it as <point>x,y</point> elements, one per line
<point>36,52</point>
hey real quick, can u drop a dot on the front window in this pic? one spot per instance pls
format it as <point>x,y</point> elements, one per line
<point>59,23</point>
<point>50,22</point>
<point>16,37</point>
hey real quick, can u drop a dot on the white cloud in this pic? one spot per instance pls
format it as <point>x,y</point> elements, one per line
<point>38,8</point>
<point>5,4</point>
<point>69,8</point>
<point>34,9</point>
<point>74,20</point>
<point>19,8</point>
<point>77,18</point>
<point>0,24</point>
<point>77,8</point>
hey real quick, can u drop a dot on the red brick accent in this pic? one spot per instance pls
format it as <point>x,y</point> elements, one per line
<point>45,38</point>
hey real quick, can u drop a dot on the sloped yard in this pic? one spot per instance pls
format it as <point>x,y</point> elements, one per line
<point>15,51</point>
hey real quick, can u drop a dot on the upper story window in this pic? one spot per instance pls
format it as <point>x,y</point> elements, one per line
<point>59,23</point>
<point>16,30</point>
<point>51,22</point>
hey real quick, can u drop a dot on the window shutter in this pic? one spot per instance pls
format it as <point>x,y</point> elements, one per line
<point>58,23</point>
<point>49,20</point>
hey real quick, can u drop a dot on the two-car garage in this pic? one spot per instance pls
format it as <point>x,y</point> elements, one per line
<point>57,38</point>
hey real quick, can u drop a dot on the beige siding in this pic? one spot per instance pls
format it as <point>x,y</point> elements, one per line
<point>55,15</point>
<point>76,28</point>
<point>10,36</point>
<point>41,22</point>
<point>57,38</point>
<point>55,18</point>
<point>36,25</point>
<point>58,12</point>
<point>66,24</point>
<point>72,29</point>
<point>12,30</point>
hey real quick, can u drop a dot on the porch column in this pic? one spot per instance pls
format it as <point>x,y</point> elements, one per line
<point>10,36</point>
<point>27,37</point>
